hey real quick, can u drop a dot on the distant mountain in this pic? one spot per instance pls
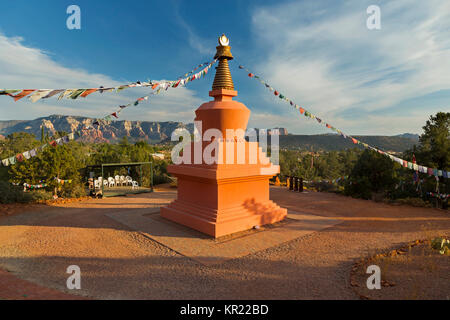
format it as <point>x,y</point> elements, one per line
<point>328,142</point>
<point>155,132</point>
<point>411,136</point>
<point>135,130</point>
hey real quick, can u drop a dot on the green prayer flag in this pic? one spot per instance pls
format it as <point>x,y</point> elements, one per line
<point>77,93</point>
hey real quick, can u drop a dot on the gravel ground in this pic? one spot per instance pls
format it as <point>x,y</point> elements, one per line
<point>117,263</point>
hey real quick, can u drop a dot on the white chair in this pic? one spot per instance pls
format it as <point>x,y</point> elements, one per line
<point>134,184</point>
<point>105,183</point>
<point>111,182</point>
<point>123,182</point>
<point>96,184</point>
<point>117,179</point>
<point>129,180</point>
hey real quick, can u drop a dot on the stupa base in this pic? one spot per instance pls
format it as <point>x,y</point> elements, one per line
<point>218,223</point>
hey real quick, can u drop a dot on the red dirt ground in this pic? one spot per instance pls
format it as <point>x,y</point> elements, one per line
<point>37,243</point>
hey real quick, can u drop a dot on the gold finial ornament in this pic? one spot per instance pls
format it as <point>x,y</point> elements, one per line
<point>223,40</point>
<point>222,79</point>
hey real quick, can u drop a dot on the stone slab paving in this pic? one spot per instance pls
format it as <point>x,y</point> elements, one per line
<point>209,251</point>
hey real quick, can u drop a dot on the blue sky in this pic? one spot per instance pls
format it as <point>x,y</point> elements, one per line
<point>318,53</point>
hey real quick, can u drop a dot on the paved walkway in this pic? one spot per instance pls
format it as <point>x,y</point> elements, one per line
<point>118,261</point>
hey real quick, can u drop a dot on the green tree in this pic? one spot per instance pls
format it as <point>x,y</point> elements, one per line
<point>434,144</point>
<point>373,172</point>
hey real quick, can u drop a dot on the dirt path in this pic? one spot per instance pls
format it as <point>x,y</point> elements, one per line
<point>119,263</point>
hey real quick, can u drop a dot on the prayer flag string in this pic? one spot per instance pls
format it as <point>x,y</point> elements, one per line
<point>410,165</point>
<point>157,88</point>
<point>36,94</point>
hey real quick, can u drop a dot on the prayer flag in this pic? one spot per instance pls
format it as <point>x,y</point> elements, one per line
<point>65,93</point>
<point>77,93</point>
<point>52,93</point>
<point>87,92</point>
<point>39,95</point>
<point>24,93</point>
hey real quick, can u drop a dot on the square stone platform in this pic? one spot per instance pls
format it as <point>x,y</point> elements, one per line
<point>207,250</point>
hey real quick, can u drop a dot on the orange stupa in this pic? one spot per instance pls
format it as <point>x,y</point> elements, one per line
<point>232,193</point>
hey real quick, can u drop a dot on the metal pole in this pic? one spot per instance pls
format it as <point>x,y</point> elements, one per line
<point>151,175</point>
<point>103,184</point>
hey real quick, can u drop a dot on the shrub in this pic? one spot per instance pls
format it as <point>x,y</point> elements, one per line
<point>75,191</point>
<point>322,186</point>
<point>441,244</point>
<point>39,195</point>
<point>372,173</point>
<point>161,178</point>
<point>415,202</point>
<point>10,193</point>
<point>15,194</point>
<point>359,188</point>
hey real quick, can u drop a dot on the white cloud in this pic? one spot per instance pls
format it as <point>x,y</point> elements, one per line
<point>323,57</point>
<point>24,67</point>
<point>194,40</point>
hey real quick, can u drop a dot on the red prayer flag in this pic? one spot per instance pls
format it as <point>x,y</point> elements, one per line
<point>354,141</point>
<point>114,114</point>
<point>24,93</point>
<point>88,92</point>
<point>276,93</point>
<point>154,86</point>
<point>302,110</point>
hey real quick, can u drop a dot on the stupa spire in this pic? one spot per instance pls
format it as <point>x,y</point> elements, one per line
<point>222,79</point>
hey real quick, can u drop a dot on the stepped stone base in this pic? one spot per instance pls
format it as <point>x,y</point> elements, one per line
<point>219,207</point>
